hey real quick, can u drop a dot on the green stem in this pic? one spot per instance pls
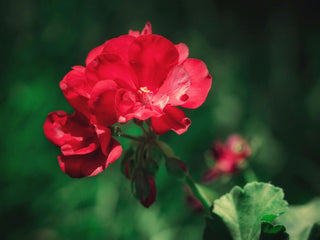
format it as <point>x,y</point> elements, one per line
<point>130,137</point>
<point>249,174</point>
<point>198,193</point>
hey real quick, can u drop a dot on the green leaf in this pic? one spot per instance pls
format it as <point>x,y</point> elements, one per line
<point>300,219</point>
<point>242,210</point>
<point>273,232</point>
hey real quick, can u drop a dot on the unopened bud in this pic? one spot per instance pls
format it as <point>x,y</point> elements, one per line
<point>176,167</point>
<point>144,188</point>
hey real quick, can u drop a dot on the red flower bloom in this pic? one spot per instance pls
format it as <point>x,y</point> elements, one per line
<point>86,151</point>
<point>138,76</point>
<point>228,157</point>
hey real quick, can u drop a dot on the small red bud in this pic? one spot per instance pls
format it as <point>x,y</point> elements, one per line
<point>144,188</point>
<point>151,196</point>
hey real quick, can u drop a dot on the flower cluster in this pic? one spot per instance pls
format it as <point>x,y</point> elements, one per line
<point>139,76</point>
<point>229,156</point>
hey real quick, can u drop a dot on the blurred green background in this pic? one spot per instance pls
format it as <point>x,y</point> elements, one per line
<point>264,59</point>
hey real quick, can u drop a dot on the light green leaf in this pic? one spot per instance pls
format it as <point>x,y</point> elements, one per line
<point>243,210</point>
<point>300,219</point>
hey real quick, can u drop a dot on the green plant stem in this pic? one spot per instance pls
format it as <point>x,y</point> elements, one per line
<point>249,174</point>
<point>130,137</point>
<point>206,203</point>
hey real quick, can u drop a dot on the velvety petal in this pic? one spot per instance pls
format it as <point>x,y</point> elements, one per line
<point>71,132</point>
<point>94,53</point>
<point>238,146</point>
<point>151,58</point>
<point>77,166</point>
<point>129,105</point>
<point>115,151</point>
<point>53,127</point>
<point>183,51</point>
<point>175,86</point>
<point>110,67</point>
<point>147,29</point>
<point>102,103</point>
<point>218,149</point>
<point>76,89</point>
<point>119,46</point>
<point>173,119</point>
<point>200,82</point>
<point>134,33</point>
<point>110,147</point>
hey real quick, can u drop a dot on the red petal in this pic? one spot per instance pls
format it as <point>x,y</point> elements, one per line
<point>173,119</point>
<point>102,103</point>
<point>72,133</point>
<point>200,82</point>
<point>94,53</point>
<point>110,147</point>
<point>76,89</point>
<point>128,106</point>
<point>147,29</point>
<point>183,51</point>
<point>53,127</point>
<point>151,58</point>
<point>119,46</point>
<point>134,33</point>
<point>175,86</point>
<point>110,67</point>
<point>78,166</point>
<point>211,174</point>
<point>115,151</point>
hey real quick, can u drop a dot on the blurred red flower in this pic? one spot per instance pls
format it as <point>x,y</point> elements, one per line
<point>228,156</point>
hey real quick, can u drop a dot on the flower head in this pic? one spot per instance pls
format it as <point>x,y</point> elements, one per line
<point>141,76</point>
<point>228,156</point>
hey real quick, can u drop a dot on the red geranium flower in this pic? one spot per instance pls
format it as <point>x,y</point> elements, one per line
<point>228,156</point>
<point>138,76</point>
<point>85,150</point>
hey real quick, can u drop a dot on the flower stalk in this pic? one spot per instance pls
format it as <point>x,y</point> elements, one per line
<point>206,203</point>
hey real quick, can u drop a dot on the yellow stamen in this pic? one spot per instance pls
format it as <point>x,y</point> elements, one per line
<point>144,90</point>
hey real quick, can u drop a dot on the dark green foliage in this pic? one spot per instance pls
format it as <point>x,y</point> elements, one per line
<point>216,229</point>
<point>273,232</point>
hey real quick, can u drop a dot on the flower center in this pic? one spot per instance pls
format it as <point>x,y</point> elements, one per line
<point>145,94</point>
<point>143,90</point>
